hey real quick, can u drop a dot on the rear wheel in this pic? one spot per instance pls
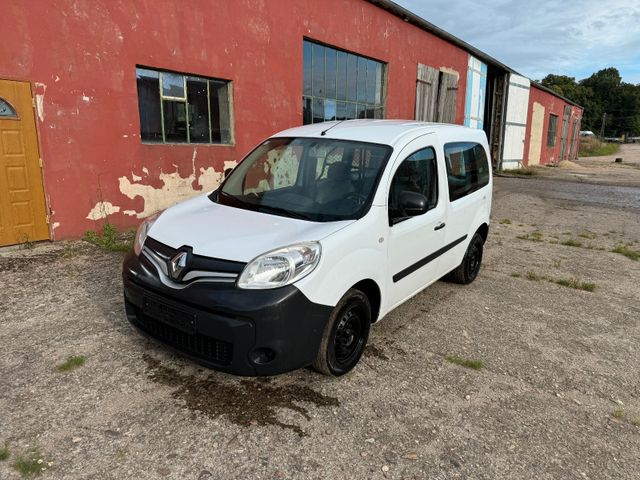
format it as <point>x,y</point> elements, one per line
<point>470,266</point>
<point>345,335</point>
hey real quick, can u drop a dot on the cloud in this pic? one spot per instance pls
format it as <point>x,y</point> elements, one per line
<point>574,38</point>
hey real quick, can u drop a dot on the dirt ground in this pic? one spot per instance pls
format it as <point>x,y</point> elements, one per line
<point>559,396</point>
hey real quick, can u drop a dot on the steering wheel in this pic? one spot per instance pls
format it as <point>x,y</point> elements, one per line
<point>359,198</point>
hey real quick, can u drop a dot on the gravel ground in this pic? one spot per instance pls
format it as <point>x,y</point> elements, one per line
<point>558,397</point>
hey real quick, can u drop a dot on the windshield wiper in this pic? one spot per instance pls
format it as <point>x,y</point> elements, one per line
<point>283,211</point>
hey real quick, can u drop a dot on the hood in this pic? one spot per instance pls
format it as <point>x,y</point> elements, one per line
<point>230,233</point>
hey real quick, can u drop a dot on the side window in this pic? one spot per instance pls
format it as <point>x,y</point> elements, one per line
<point>467,168</point>
<point>417,173</point>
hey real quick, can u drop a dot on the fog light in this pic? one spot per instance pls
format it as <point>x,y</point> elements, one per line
<point>260,356</point>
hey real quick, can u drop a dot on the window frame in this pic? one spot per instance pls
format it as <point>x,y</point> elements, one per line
<point>350,105</point>
<point>396,221</point>
<point>185,100</point>
<point>477,186</point>
<point>13,112</point>
<point>552,141</point>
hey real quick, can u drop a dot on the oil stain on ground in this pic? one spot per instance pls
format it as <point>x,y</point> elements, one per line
<point>244,402</point>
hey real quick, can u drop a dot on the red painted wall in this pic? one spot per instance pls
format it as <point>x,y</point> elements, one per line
<point>80,57</point>
<point>552,105</point>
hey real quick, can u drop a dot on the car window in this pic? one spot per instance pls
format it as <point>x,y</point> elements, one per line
<point>274,169</point>
<point>467,168</point>
<point>417,173</point>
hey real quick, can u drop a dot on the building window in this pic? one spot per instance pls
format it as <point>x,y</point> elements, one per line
<point>339,85</point>
<point>552,132</point>
<point>467,168</point>
<point>177,108</point>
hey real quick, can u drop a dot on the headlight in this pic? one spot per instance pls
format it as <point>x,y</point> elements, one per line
<point>280,267</point>
<point>143,229</point>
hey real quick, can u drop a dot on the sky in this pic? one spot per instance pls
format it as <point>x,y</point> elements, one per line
<point>535,38</point>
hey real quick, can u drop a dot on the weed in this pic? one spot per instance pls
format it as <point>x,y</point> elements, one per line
<point>627,252</point>
<point>110,239</point>
<point>571,243</point>
<point>592,147</point>
<point>636,422</point>
<point>505,221</point>
<point>26,243</point>
<point>576,284</point>
<point>587,235</point>
<point>465,362</point>
<point>516,275</point>
<point>556,263</point>
<point>523,171</point>
<point>71,363</point>
<point>618,413</point>
<point>532,237</point>
<point>534,276</point>
<point>4,452</point>
<point>30,465</point>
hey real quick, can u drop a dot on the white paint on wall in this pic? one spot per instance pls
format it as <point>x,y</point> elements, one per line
<point>102,210</point>
<point>135,177</point>
<point>130,213</point>
<point>40,87</point>
<point>54,225</point>
<point>85,98</point>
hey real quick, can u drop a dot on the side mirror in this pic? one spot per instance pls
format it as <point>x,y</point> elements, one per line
<point>227,171</point>
<point>413,203</point>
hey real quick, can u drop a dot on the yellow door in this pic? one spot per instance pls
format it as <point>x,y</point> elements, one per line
<point>23,214</point>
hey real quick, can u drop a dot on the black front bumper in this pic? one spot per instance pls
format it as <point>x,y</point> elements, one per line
<point>244,332</point>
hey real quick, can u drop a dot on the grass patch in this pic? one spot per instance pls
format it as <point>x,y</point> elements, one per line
<point>110,239</point>
<point>556,263</point>
<point>618,413</point>
<point>465,362</point>
<point>534,277</point>
<point>532,237</point>
<point>4,452</point>
<point>505,221</point>
<point>571,243</point>
<point>523,171</point>
<point>576,284</point>
<point>627,252</point>
<point>71,363</point>
<point>592,147</point>
<point>30,465</point>
<point>516,275</point>
<point>636,422</point>
<point>587,235</point>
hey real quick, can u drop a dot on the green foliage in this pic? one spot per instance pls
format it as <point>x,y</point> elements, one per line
<point>576,284</point>
<point>592,147</point>
<point>603,92</point>
<point>627,252</point>
<point>110,239</point>
<point>4,452</point>
<point>505,221</point>
<point>30,465</point>
<point>71,363</point>
<point>465,362</point>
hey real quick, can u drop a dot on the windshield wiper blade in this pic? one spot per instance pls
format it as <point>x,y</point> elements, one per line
<point>284,211</point>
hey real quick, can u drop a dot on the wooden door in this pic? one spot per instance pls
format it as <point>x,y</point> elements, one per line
<point>23,216</point>
<point>565,132</point>
<point>447,94</point>
<point>515,124</point>
<point>426,93</point>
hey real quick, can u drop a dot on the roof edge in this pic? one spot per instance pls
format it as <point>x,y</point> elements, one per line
<point>539,86</point>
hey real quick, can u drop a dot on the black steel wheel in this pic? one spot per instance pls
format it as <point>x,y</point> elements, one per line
<point>345,335</point>
<point>470,266</point>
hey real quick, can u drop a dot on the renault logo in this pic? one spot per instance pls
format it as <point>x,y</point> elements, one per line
<point>177,264</point>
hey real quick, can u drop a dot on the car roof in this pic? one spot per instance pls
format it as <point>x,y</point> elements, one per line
<point>387,132</point>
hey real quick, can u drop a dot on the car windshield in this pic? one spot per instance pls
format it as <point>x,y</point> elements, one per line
<point>321,180</point>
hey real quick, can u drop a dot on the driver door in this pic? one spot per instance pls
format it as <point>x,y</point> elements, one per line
<point>415,241</point>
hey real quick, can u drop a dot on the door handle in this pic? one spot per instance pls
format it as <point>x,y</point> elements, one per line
<point>440,226</point>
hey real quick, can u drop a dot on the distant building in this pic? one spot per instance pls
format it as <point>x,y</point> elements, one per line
<point>110,111</point>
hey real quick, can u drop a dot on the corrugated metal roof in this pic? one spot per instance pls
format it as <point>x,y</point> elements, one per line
<point>420,22</point>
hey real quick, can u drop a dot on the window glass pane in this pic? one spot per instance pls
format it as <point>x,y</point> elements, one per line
<point>378,113</point>
<point>418,173</point>
<point>149,105</point>
<point>307,66</point>
<point>6,109</point>
<point>172,85</point>
<point>361,111</point>
<point>467,168</point>
<point>378,99</point>
<point>352,77</point>
<point>329,110</point>
<point>362,79</point>
<point>371,81</point>
<point>341,85</point>
<point>318,110</point>
<point>307,116</point>
<point>220,108</point>
<point>330,73</point>
<point>198,110</point>
<point>352,111</point>
<point>175,121</point>
<point>552,130</point>
<point>341,111</point>
<point>318,70</point>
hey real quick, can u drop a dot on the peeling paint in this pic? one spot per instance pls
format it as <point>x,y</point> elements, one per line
<point>102,210</point>
<point>85,99</point>
<point>54,225</point>
<point>135,177</point>
<point>41,90</point>
<point>130,213</point>
<point>174,188</point>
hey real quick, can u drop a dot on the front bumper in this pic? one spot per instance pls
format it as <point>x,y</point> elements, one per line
<point>244,332</point>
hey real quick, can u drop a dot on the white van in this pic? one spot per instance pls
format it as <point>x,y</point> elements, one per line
<point>318,233</point>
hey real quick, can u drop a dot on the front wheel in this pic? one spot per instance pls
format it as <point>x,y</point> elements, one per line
<point>470,266</point>
<point>345,335</point>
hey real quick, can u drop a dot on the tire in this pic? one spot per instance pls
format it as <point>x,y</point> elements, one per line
<point>345,335</point>
<point>470,266</point>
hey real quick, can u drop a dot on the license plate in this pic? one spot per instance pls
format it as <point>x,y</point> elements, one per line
<point>176,317</point>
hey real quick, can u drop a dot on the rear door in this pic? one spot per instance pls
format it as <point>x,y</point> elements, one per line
<point>415,242</point>
<point>515,122</point>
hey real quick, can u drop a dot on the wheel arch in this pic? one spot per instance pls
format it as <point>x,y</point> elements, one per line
<point>483,230</point>
<point>371,289</point>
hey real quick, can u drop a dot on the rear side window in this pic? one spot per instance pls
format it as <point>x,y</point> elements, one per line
<point>467,168</point>
<point>417,173</point>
